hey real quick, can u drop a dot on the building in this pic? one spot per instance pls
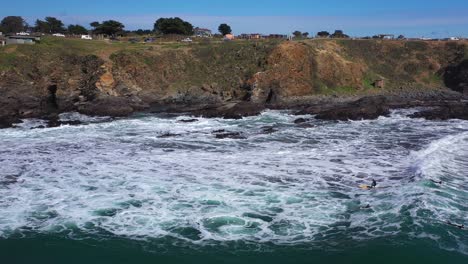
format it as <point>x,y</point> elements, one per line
<point>22,40</point>
<point>250,36</point>
<point>202,32</point>
<point>379,83</point>
<point>386,36</point>
<point>277,36</point>
<point>229,37</point>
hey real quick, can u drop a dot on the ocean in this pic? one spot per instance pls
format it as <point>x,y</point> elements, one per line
<point>154,189</point>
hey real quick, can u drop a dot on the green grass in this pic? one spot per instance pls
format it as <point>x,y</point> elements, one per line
<point>7,59</point>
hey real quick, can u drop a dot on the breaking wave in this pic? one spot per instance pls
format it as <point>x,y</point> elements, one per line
<point>151,177</point>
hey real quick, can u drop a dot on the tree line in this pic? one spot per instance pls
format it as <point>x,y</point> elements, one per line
<point>321,34</point>
<point>162,26</point>
<point>52,25</point>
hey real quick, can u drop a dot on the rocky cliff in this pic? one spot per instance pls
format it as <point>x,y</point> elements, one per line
<point>116,79</point>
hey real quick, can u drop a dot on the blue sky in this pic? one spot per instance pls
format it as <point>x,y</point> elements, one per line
<point>429,18</point>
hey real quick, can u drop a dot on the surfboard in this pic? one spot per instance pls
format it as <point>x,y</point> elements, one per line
<point>365,187</point>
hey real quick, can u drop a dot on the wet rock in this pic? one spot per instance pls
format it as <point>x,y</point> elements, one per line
<point>168,135</point>
<point>365,108</point>
<point>188,120</point>
<point>453,110</point>
<point>54,121</point>
<point>219,131</point>
<point>300,121</point>
<point>269,130</point>
<point>168,150</point>
<point>9,179</point>
<point>7,121</point>
<point>232,111</point>
<point>231,135</point>
<point>306,125</point>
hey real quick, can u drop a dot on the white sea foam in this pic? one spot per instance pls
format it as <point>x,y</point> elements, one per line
<point>152,177</point>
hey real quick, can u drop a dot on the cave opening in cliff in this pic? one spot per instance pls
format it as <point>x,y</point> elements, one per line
<point>271,98</point>
<point>52,97</point>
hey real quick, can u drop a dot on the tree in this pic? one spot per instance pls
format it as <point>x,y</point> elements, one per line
<point>42,26</point>
<point>13,24</point>
<point>77,30</point>
<point>339,34</point>
<point>297,34</point>
<point>141,32</point>
<point>51,25</point>
<point>173,26</point>
<point>224,29</point>
<point>55,25</point>
<point>401,37</point>
<point>95,24</point>
<point>305,34</point>
<point>109,27</point>
<point>323,34</point>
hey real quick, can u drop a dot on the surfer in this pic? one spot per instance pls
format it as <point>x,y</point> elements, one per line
<point>456,225</point>
<point>369,187</point>
<point>366,207</point>
<point>437,182</point>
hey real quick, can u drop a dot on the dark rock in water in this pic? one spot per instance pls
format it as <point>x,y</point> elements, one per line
<point>454,110</point>
<point>6,122</point>
<point>300,121</point>
<point>9,179</point>
<point>168,150</point>
<point>54,121</point>
<point>218,131</point>
<point>232,111</point>
<point>269,130</point>
<point>188,120</point>
<point>306,125</point>
<point>365,108</point>
<point>168,135</point>
<point>231,135</point>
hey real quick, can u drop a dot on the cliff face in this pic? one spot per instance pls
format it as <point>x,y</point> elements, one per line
<point>117,79</point>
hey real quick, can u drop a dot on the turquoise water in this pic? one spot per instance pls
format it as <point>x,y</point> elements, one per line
<point>152,189</point>
<point>59,250</point>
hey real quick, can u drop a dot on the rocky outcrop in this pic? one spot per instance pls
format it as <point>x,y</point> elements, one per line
<point>230,80</point>
<point>365,108</point>
<point>452,110</point>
